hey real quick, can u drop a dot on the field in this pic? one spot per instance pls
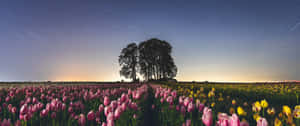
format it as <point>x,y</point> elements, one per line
<point>163,104</point>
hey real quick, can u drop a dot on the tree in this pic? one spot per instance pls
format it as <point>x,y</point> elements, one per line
<point>128,61</point>
<point>155,60</point>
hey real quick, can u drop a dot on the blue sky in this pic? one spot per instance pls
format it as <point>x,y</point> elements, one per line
<point>232,40</point>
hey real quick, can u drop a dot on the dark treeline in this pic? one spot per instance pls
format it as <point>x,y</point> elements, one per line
<point>151,59</point>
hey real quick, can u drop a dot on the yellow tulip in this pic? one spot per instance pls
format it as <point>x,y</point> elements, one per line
<point>241,111</point>
<point>296,112</point>
<point>233,102</point>
<point>256,107</point>
<point>277,122</point>
<point>264,103</point>
<point>256,117</point>
<point>286,110</point>
<point>257,104</point>
<point>231,110</point>
<point>213,104</point>
<point>271,111</point>
<point>195,95</point>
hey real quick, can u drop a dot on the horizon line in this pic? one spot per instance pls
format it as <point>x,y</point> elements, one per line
<point>110,81</point>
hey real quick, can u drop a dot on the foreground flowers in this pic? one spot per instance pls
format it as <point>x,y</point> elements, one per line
<point>71,105</point>
<point>121,105</point>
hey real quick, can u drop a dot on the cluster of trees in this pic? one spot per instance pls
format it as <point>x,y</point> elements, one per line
<point>151,59</point>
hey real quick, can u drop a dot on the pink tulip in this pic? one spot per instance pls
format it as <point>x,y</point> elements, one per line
<point>91,115</point>
<point>104,124</point>
<point>44,113</point>
<point>9,107</point>
<point>24,109</point>
<point>134,116</point>
<point>100,108</point>
<point>190,107</point>
<point>180,100</point>
<point>174,94</point>
<point>26,117</point>
<point>188,122</point>
<point>110,116</point>
<point>123,106</point>
<point>161,100</point>
<point>7,99</point>
<point>106,101</point>
<point>28,100</point>
<point>6,122</point>
<point>223,119</point>
<point>4,105</point>
<point>63,106</point>
<point>110,123</point>
<point>123,97</point>
<point>98,120</point>
<point>107,110</point>
<point>114,104</point>
<point>201,107</point>
<point>152,106</point>
<point>182,110</point>
<point>262,122</point>
<point>234,120</point>
<point>34,100</point>
<point>70,109</point>
<point>207,116</point>
<point>133,106</point>
<point>53,115</point>
<point>81,120</point>
<point>14,110</point>
<point>117,113</point>
<point>222,123</point>
<point>177,108</point>
<point>48,106</point>
<point>65,99</point>
<point>244,123</point>
<point>186,101</point>
<point>18,123</point>
<point>97,114</point>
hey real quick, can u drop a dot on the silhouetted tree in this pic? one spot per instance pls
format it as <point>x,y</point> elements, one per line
<point>128,61</point>
<point>155,60</point>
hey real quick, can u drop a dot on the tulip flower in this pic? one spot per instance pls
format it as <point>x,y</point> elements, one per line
<point>104,124</point>
<point>244,123</point>
<point>6,122</point>
<point>190,107</point>
<point>91,115</point>
<point>223,119</point>
<point>18,123</point>
<point>186,101</point>
<point>262,122</point>
<point>110,116</point>
<point>53,115</point>
<point>207,118</point>
<point>81,120</point>
<point>188,122</point>
<point>100,108</point>
<point>234,120</point>
<point>24,109</point>
<point>44,113</point>
<point>106,101</point>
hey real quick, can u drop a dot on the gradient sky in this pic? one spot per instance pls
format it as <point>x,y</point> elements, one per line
<point>241,40</point>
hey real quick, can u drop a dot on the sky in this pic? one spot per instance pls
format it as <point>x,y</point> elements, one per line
<point>232,40</point>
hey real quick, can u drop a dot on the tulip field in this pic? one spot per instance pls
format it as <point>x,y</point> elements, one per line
<point>171,104</point>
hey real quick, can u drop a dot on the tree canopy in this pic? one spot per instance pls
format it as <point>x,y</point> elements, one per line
<point>152,58</point>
